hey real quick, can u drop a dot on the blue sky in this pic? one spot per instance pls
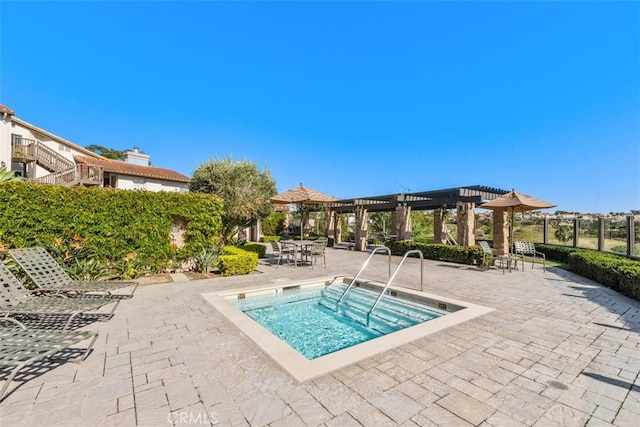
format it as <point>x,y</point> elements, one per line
<point>350,98</point>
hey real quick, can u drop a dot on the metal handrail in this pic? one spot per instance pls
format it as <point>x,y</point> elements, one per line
<point>379,248</point>
<point>418,251</point>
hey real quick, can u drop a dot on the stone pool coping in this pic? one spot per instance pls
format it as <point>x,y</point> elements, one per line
<point>303,369</point>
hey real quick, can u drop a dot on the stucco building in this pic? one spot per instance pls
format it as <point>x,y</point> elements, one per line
<point>36,154</point>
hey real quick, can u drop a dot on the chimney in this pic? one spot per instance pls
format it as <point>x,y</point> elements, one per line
<point>136,157</point>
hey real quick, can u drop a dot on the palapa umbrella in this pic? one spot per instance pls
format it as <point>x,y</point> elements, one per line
<point>301,196</point>
<point>515,202</point>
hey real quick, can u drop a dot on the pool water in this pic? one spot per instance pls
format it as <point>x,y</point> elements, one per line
<point>315,324</point>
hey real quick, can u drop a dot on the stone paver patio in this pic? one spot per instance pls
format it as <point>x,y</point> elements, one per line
<point>558,350</point>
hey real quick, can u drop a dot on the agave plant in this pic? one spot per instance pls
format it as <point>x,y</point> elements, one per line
<point>6,175</point>
<point>206,259</point>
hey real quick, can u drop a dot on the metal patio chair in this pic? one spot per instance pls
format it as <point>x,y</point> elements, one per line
<point>50,276</point>
<point>490,258</point>
<point>487,254</point>
<point>282,250</point>
<point>15,300</point>
<point>317,250</point>
<point>529,249</point>
<point>20,347</point>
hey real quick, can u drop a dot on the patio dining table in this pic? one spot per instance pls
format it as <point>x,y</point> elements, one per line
<point>299,247</point>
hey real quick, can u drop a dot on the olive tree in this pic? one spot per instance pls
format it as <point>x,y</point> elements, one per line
<point>244,189</point>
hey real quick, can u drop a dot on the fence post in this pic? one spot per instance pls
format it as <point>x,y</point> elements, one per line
<point>576,229</point>
<point>631,236</point>
<point>601,234</point>
<point>545,230</point>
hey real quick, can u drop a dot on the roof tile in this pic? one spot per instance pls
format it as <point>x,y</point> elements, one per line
<point>117,166</point>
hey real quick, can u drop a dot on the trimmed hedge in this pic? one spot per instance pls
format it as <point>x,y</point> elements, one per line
<point>235,261</point>
<point>620,274</point>
<point>261,250</point>
<point>556,252</point>
<point>437,251</point>
<point>268,239</point>
<point>613,271</point>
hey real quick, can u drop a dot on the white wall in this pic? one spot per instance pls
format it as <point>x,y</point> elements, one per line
<point>5,140</point>
<point>125,182</point>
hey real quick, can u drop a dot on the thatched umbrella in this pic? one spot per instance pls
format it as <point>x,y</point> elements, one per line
<point>515,202</point>
<point>301,196</point>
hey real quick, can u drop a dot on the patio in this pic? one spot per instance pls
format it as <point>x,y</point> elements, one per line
<point>557,350</point>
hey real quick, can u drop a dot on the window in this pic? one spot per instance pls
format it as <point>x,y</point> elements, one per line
<point>139,183</point>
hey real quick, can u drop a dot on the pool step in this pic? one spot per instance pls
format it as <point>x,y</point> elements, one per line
<point>404,307</point>
<point>389,315</point>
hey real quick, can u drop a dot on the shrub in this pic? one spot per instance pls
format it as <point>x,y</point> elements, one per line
<point>235,261</point>
<point>556,252</point>
<point>88,269</point>
<point>129,267</point>
<point>269,239</point>
<point>618,273</point>
<point>274,223</point>
<point>437,251</point>
<point>261,250</point>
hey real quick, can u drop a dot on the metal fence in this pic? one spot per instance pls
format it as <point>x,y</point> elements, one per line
<point>619,235</point>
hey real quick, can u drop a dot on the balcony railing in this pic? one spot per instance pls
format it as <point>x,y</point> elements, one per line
<point>76,175</point>
<point>22,149</point>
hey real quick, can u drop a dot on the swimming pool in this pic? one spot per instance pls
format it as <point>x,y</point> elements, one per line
<point>307,347</point>
<point>313,322</point>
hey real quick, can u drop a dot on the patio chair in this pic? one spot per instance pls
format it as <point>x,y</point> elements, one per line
<point>21,347</point>
<point>487,254</point>
<point>282,250</point>
<point>49,276</point>
<point>529,249</point>
<point>489,258</point>
<point>317,250</point>
<point>15,300</point>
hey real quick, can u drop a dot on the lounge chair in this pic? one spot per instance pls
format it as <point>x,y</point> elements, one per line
<point>20,347</point>
<point>49,276</point>
<point>15,300</point>
<point>529,249</point>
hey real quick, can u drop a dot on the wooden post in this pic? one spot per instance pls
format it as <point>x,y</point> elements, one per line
<point>576,229</point>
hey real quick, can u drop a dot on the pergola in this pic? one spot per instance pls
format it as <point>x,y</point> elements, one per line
<point>463,199</point>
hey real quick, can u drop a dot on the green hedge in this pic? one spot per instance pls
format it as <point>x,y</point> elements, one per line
<point>556,252</point>
<point>261,250</point>
<point>618,273</point>
<point>437,251</point>
<point>613,271</point>
<point>115,223</point>
<point>268,239</point>
<point>235,261</point>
